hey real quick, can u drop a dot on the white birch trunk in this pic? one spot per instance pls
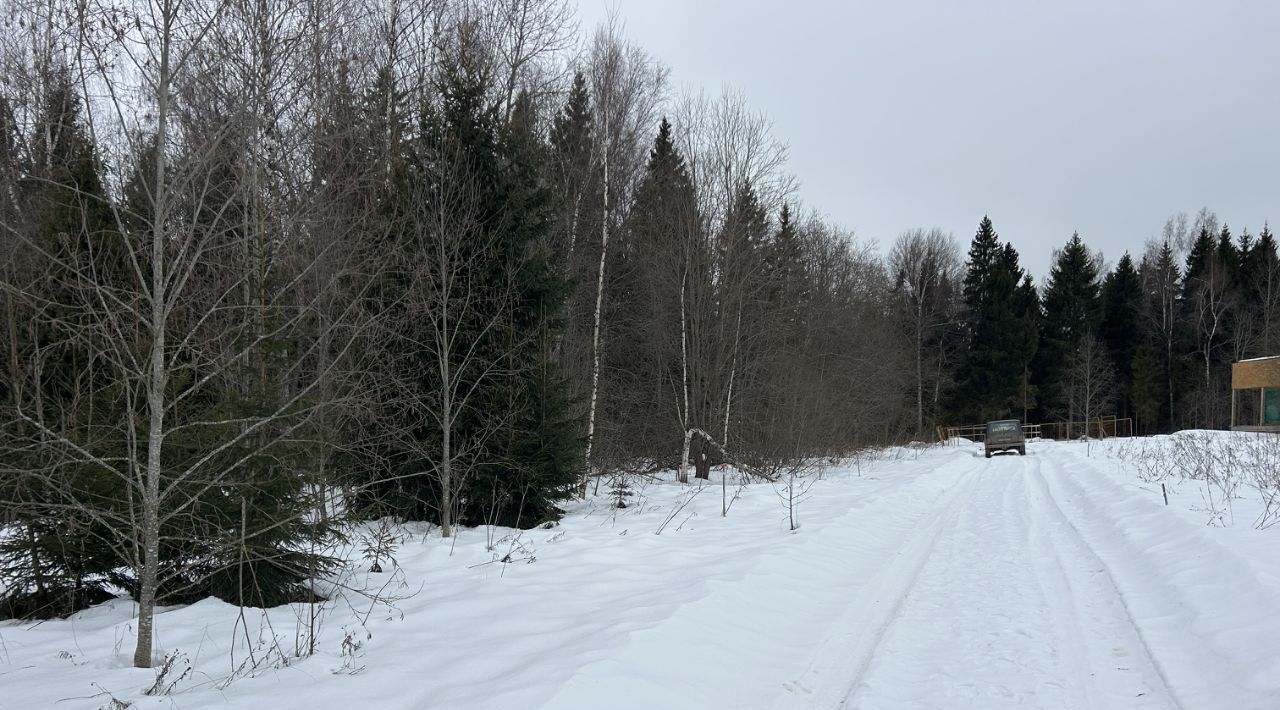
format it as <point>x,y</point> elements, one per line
<point>733,371</point>
<point>919,364</point>
<point>573,223</point>
<point>684,456</point>
<point>446,447</point>
<point>684,380</point>
<point>443,338</point>
<point>595,329</point>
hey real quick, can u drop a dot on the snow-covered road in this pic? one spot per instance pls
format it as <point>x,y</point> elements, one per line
<point>1015,582</point>
<point>998,602</point>
<point>927,578</point>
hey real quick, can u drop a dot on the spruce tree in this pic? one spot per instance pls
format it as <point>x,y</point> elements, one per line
<point>574,177</point>
<point>1025,339</point>
<point>542,460</point>
<point>1166,326</point>
<point>510,448</point>
<point>1120,328</point>
<point>657,257</point>
<point>1146,392</point>
<point>787,287</point>
<point>1260,286</point>
<point>984,254</point>
<point>1072,308</point>
<point>1199,258</point>
<point>785,255</point>
<point>571,130</point>
<point>1227,252</point>
<point>62,555</point>
<point>1000,323</point>
<point>11,171</point>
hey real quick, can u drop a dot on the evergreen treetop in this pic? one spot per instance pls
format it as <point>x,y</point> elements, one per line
<point>1001,326</point>
<point>571,130</point>
<point>1071,295</point>
<point>984,253</point>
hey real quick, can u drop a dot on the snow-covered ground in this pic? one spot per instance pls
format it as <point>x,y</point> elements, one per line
<point>929,578</point>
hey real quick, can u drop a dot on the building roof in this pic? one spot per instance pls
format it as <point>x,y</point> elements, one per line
<point>1258,372</point>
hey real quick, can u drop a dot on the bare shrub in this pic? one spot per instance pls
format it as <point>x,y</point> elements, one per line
<point>793,487</point>
<point>1151,459</point>
<point>1211,460</point>
<point>1226,466</point>
<point>678,507</point>
<point>351,653</point>
<point>175,669</point>
<point>1261,456</point>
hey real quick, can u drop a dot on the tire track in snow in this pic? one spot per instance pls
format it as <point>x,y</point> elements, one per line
<point>1202,609</point>
<point>1055,587</point>
<point>976,629</point>
<point>834,528</point>
<point>842,658</point>
<point>1052,536</point>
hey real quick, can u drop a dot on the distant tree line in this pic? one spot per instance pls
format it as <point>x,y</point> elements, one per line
<point>1150,339</point>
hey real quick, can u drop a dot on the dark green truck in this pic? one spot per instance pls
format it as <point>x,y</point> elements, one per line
<point>1005,435</point>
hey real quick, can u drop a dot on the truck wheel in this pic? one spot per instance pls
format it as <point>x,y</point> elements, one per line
<point>988,454</point>
<point>1022,451</point>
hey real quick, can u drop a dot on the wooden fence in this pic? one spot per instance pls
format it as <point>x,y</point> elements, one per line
<point>1101,428</point>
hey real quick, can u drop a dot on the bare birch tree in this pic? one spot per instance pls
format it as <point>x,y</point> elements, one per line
<point>627,85</point>
<point>530,36</point>
<point>448,319</point>
<point>1091,379</point>
<point>737,167</point>
<point>925,267</point>
<point>172,332</point>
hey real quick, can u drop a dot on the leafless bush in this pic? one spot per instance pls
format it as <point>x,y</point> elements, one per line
<point>1261,457</point>
<point>351,647</point>
<point>115,703</point>
<point>917,448</point>
<point>727,501</point>
<point>168,674</point>
<point>265,652</point>
<point>1150,458</point>
<point>1211,460</point>
<point>517,550</point>
<point>1226,466</point>
<point>865,456</point>
<point>681,503</point>
<point>793,487</point>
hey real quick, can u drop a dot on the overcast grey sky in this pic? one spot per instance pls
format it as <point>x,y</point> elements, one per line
<point>1102,117</point>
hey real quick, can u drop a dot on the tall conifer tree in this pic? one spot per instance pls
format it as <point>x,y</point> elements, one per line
<point>1000,330</point>
<point>62,557</point>
<point>1120,326</point>
<point>1072,308</point>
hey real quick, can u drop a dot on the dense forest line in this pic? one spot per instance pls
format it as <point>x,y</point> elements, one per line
<point>270,264</point>
<point>1151,338</point>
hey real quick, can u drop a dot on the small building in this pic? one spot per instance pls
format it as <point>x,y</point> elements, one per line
<point>1255,394</point>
